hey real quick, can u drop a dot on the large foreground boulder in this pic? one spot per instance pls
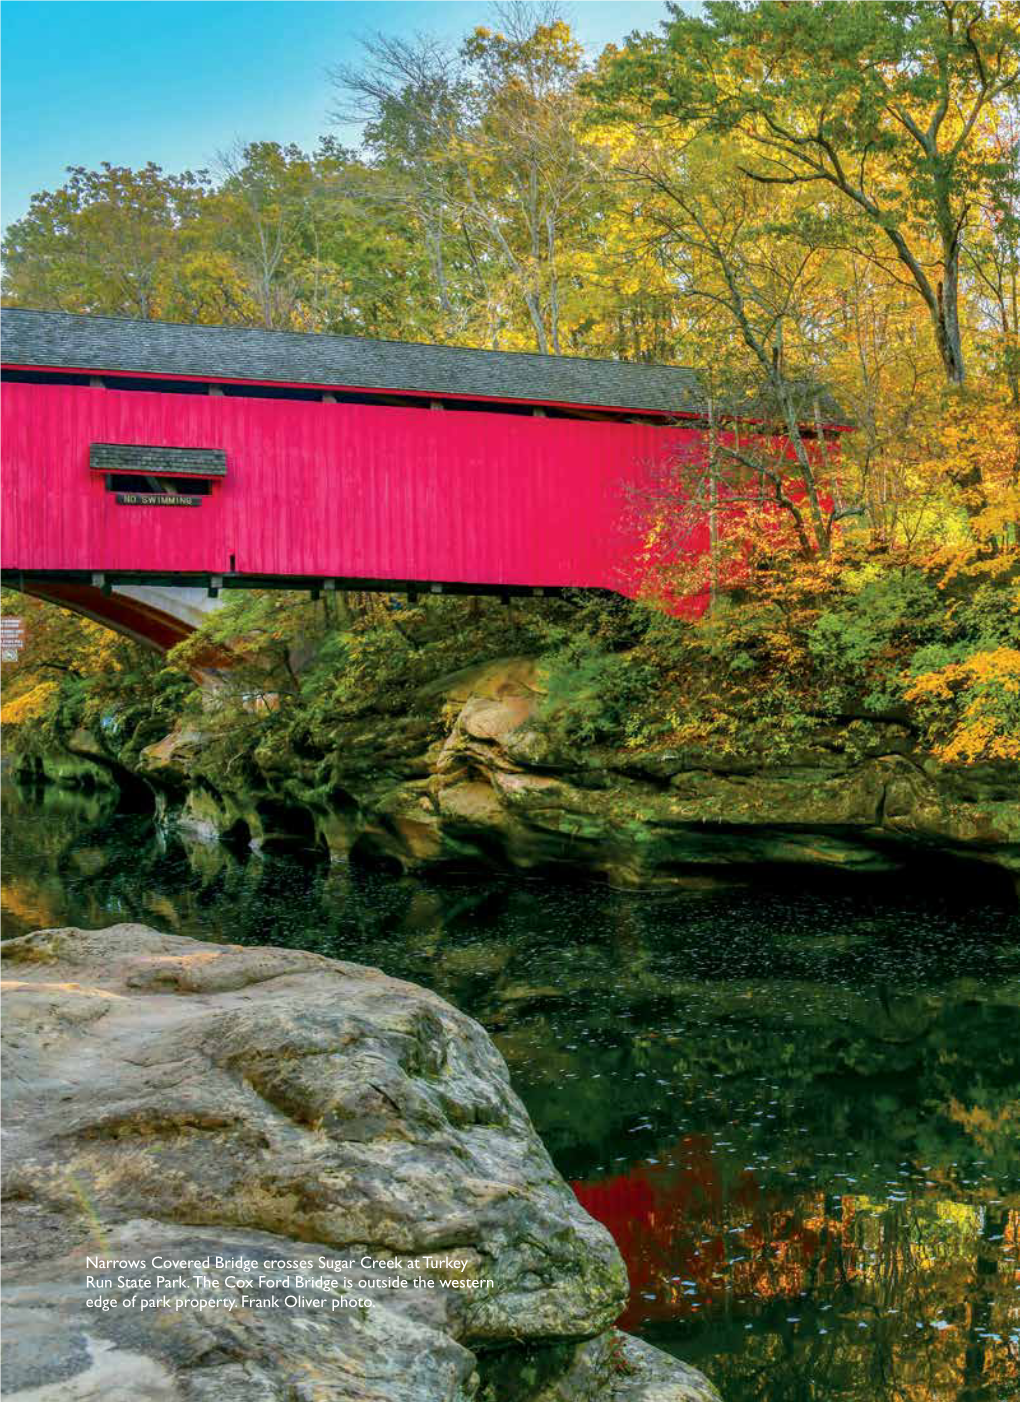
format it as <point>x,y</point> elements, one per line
<point>170,1101</point>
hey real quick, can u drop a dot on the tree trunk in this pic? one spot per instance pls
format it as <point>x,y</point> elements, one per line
<point>818,524</point>
<point>947,325</point>
<point>713,511</point>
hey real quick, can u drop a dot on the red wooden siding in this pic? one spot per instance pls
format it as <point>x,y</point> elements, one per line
<point>349,491</point>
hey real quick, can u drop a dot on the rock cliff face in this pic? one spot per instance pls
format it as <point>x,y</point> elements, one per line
<point>171,1099</point>
<point>473,775</point>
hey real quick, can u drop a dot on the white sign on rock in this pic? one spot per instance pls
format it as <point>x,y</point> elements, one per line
<point>12,638</point>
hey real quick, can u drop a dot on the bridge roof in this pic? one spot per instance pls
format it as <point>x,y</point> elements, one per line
<point>61,340</point>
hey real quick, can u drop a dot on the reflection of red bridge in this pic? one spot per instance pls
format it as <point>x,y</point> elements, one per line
<point>141,456</point>
<point>677,1221</point>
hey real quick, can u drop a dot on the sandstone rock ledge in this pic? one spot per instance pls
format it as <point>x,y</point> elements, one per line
<point>170,1098</point>
<point>470,773</point>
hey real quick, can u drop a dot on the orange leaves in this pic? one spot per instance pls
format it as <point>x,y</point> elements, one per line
<point>973,707</point>
<point>30,705</point>
<point>966,451</point>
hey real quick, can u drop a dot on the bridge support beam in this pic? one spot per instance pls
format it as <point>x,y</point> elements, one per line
<point>160,610</point>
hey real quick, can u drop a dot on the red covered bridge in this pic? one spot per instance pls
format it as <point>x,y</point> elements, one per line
<point>147,466</point>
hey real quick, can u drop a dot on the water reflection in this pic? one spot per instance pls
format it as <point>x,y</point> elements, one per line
<point>798,1115</point>
<point>818,1297</point>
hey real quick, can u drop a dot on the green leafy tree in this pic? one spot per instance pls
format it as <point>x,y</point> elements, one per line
<point>484,150</point>
<point>112,241</point>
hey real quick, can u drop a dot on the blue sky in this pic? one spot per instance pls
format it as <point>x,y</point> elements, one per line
<point>176,81</point>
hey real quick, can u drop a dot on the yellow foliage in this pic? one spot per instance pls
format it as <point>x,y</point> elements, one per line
<point>988,686</point>
<point>29,706</point>
<point>985,1126</point>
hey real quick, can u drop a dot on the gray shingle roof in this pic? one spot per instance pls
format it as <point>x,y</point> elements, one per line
<point>157,462</point>
<point>117,344</point>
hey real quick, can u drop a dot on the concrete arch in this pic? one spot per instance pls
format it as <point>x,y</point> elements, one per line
<point>155,616</point>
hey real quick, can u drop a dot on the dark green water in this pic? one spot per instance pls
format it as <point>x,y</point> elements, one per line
<point>798,1114</point>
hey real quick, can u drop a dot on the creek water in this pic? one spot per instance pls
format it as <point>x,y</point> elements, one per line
<point>797,1112</point>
